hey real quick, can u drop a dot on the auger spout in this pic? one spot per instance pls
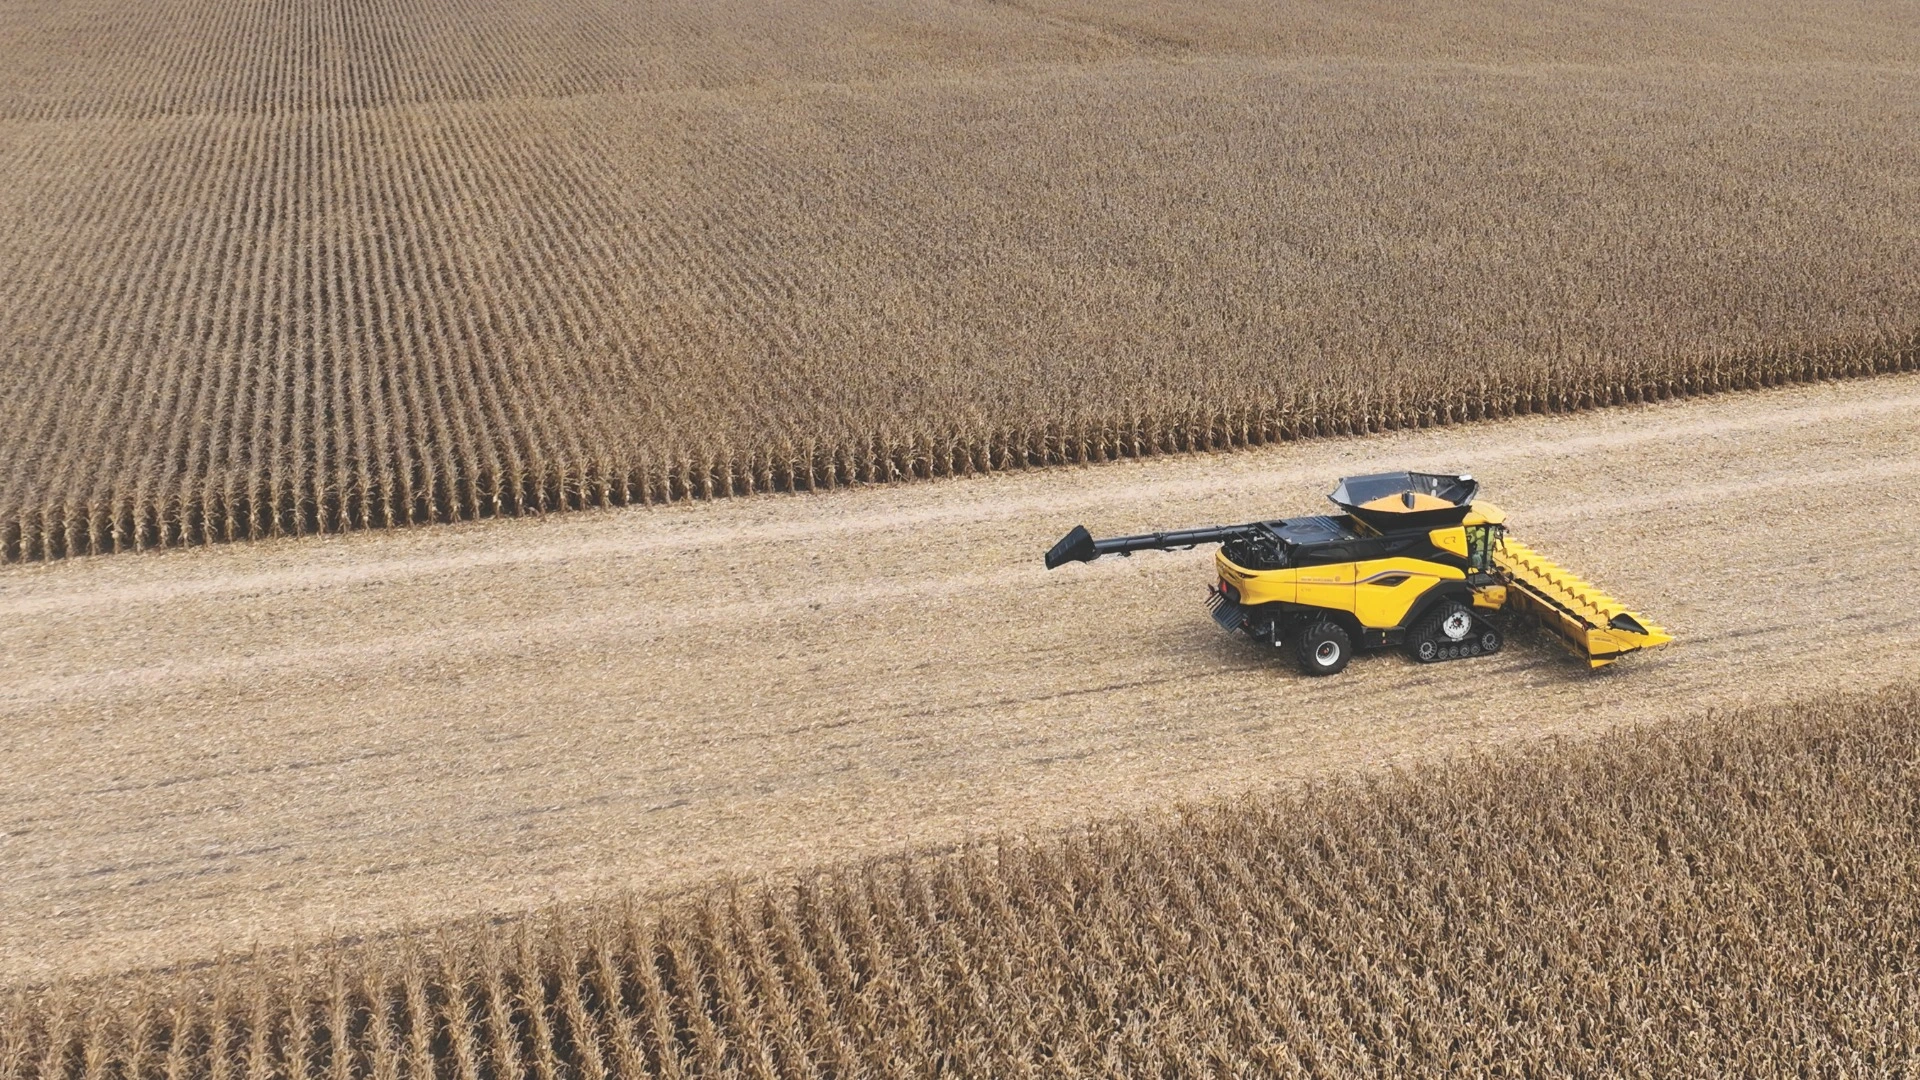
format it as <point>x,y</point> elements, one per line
<point>1080,546</point>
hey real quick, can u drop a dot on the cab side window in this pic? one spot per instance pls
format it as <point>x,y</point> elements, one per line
<point>1480,541</point>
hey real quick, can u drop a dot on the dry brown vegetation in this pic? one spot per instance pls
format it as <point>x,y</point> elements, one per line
<point>1734,898</point>
<point>278,268</point>
<point>418,725</point>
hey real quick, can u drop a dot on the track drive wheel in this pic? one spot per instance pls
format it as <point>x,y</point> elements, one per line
<point>1324,649</point>
<point>1452,632</point>
<point>1490,639</point>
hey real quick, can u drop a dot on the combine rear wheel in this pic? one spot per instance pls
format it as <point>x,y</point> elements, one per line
<point>1452,632</point>
<point>1324,649</point>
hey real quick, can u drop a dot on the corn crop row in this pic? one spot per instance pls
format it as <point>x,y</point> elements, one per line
<point>310,505</point>
<point>1736,898</point>
<point>283,269</point>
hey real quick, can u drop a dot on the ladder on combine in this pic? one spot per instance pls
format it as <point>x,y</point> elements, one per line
<point>1598,628</point>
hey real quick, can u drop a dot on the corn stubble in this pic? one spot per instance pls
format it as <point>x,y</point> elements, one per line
<point>277,269</point>
<point>1733,898</point>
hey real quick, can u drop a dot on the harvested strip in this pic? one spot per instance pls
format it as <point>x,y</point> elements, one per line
<point>261,741</point>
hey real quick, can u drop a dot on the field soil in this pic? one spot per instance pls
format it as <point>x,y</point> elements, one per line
<point>260,742</point>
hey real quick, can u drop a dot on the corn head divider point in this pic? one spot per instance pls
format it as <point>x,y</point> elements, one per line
<point>1412,561</point>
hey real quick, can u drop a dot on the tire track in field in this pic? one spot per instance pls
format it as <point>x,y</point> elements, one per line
<point>97,684</point>
<point>268,741</point>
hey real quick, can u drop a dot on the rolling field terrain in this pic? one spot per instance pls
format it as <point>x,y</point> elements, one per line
<point>275,268</point>
<point>260,742</point>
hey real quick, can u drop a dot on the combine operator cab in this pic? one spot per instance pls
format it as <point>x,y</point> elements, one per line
<point>1410,561</point>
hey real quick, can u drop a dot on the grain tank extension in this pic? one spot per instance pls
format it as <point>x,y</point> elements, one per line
<point>1411,561</point>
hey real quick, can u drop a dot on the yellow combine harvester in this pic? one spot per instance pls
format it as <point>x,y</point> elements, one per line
<point>1413,561</point>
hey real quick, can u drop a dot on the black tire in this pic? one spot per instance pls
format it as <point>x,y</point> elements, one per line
<point>1490,639</point>
<point>1430,642</point>
<point>1420,644</point>
<point>1324,649</point>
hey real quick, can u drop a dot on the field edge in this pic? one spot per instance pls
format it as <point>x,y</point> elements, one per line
<point>887,457</point>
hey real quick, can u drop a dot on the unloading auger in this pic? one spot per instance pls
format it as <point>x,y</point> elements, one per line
<point>1412,561</point>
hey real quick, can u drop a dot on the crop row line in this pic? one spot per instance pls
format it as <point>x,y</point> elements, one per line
<point>303,492</point>
<point>1735,891</point>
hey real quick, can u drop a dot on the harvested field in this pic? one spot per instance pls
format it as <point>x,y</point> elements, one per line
<point>263,742</point>
<point>1729,898</point>
<point>275,269</point>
